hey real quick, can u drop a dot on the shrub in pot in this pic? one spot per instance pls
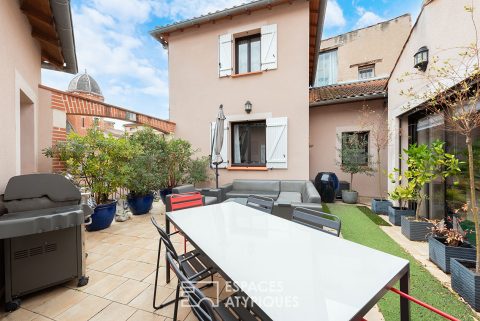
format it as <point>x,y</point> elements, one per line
<point>198,171</point>
<point>402,194</point>
<point>353,160</point>
<point>145,173</point>
<point>101,163</point>
<point>425,164</point>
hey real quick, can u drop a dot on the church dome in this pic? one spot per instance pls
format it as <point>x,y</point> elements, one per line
<point>84,83</point>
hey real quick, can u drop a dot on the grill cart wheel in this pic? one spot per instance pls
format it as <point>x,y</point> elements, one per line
<point>82,281</point>
<point>12,305</point>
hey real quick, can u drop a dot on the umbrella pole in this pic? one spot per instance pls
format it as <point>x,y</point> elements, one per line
<point>216,175</point>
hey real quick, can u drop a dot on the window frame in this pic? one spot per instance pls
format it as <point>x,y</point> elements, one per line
<point>334,80</point>
<point>365,68</point>
<point>367,146</point>
<point>249,52</point>
<point>232,144</point>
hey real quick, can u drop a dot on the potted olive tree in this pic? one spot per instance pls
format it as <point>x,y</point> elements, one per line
<point>354,159</point>
<point>101,163</point>
<point>145,170</point>
<point>425,164</point>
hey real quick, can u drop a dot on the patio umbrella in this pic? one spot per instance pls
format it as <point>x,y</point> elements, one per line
<point>218,142</point>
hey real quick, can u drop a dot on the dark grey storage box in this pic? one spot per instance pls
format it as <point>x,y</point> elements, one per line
<point>415,230</point>
<point>395,214</point>
<point>466,282</point>
<point>441,254</point>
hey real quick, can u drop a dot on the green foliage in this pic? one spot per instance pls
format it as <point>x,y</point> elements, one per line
<point>198,170</point>
<point>424,165</point>
<point>177,162</point>
<point>372,216</point>
<point>146,169</point>
<point>102,162</point>
<point>353,159</point>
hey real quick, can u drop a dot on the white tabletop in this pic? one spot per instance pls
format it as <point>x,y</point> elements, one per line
<point>291,271</point>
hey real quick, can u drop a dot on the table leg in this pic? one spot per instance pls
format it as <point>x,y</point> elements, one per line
<point>167,264</point>
<point>405,303</point>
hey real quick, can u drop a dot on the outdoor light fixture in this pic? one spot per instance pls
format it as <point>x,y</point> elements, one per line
<point>421,59</point>
<point>248,106</point>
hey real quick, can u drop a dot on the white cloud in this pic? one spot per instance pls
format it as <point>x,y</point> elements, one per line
<point>334,15</point>
<point>367,18</point>
<point>181,9</point>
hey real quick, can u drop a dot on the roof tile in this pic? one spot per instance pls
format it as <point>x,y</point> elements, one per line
<point>348,90</point>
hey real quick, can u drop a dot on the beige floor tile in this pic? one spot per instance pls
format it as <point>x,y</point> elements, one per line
<point>34,300</point>
<point>134,253</point>
<point>101,248</point>
<point>145,316</point>
<point>93,257</point>
<point>106,285</point>
<point>19,315</point>
<point>144,300</point>
<point>127,291</point>
<point>131,269</point>
<point>114,312</point>
<point>84,310</point>
<point>183,309</point>
<point>59,303</point>
<point>105,262</point>
<point>161,279</point>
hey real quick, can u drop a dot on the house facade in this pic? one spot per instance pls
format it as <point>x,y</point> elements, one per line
<point>33,41</point>
<point>437,43</point>
<point>352,74</point>
<point>257,60</point>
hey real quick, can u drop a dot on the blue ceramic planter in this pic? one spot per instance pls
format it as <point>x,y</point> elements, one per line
<point>163,194</point>
<point>141,204</point>
<point>102,216</point>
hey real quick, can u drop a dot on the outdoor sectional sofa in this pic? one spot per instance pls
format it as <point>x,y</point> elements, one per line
<point>287,194</point>
<point>210,195</point>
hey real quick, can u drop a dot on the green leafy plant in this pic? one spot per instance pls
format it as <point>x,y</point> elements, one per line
<point>146,170</point>
<point>101,162</point>
<point>199,170</point>
<point>177,161</point>
<point>402,193</point>
<point>353,158</point>
<point>424,165</point>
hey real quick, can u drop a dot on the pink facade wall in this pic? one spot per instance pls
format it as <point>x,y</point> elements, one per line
<point>20,65</point>
<point>196,90</point>
<point>326,123</point>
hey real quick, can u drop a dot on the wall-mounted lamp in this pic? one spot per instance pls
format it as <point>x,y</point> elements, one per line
<point>421,59</point>
<point>248,106</point>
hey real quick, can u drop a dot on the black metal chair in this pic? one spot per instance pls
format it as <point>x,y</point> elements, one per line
<point>237,307</point>
<point>324,222</point>
<point>196,265</point>
<point>264,204</point>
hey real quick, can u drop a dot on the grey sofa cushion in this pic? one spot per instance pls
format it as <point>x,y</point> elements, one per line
<point>292,186</point>
<point>183,189</point>
<point>245,194</point>
<point>289,197</point>
<point>256,185</point>
<point>209,200</point>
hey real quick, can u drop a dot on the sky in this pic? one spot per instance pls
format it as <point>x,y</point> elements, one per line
<point>114,46</point>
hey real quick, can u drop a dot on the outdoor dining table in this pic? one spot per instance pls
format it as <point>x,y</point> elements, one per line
<point>291,271</point>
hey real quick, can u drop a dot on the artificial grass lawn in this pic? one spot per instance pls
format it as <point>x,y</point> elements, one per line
<point>358,228</point>
<point>374,217</point>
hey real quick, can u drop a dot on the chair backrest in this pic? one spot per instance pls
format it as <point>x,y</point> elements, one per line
<point>201,306</point>
<point>165,239</point>
<point>324,222</point>
<point>260,203</point>
<point>185,200</point>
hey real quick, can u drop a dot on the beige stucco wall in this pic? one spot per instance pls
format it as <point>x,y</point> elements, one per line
<point>326,122</point>
<point>444,40</point>
<point>47,118</point>
<point>196,91</point>
<point>20,65</point>
<point>381,42</point>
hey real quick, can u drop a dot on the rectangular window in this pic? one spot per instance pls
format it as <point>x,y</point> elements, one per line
<point>366,72</point>
<point>327,68</point>
<point>360,141</point>
<point>247,54</point>
<point>248,143</point>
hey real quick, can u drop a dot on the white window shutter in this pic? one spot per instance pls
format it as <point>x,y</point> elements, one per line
<point>269,47</point>
<point>277,139</point>
<point>225,55</point>
<point>223,152</point>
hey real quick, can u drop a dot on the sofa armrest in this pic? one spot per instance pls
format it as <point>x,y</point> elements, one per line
<point>212,192</point>
<point>3,209</point>
<point>225,189</point>
<point>312,194</point>
<point>183,189</point>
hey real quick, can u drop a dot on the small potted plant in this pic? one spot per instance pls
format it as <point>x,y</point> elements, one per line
<point>145,173</point>
<point>425,164</point>
<point>446,243</point>
<point>402,194</point>
<point>354,159</point>
<point>100,162</point>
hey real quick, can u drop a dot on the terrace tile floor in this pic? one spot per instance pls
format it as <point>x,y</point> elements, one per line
<point>121,264</point>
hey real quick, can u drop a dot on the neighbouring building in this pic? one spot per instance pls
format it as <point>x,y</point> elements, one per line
<point>431,36</point>
<point>352,73</point>
<point>35,34</point>
<point>257,60</point>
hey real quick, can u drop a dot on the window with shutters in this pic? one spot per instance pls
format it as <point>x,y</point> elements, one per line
<point>249,143</point>
<point>247,54</point>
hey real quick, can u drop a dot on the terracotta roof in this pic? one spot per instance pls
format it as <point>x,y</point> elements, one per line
<point>357,89</point>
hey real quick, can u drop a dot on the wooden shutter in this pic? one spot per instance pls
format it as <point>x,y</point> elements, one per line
<point>277,138</point>
<point>269,47</point>
<point>225,55</point>
<point>223,152</point>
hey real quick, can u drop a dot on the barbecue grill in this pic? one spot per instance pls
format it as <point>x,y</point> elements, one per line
<point>41,235</point>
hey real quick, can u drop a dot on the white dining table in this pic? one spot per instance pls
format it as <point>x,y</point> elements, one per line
<point>291,271</point>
